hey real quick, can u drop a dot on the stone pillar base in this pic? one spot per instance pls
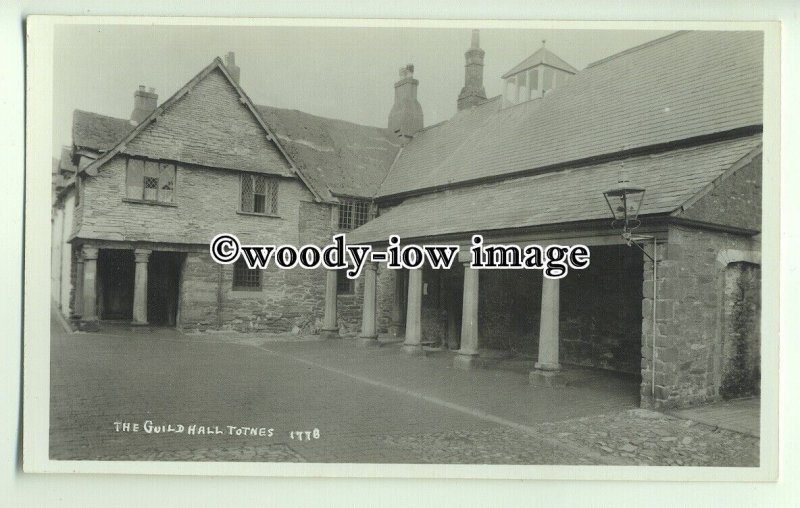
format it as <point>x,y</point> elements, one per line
<point>466,361</point>
<point>547,366</point>
<point>139,323</point>
<point>91,325</point>
<point>369,341</point>
<point>413,349</point>
<point>550,378</point>
<point>332,333</point>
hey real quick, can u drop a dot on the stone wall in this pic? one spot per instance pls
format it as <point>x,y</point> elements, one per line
<point>57,245</point>
<point>689,316</point>
<point>67,269</point>
<point>348,310</point>
<point>741,358</point>
<point>288,301</point>
<point>205,203</point>
<point>736,201</point>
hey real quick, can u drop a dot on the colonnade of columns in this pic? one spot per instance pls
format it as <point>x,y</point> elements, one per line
<point>547,366</point>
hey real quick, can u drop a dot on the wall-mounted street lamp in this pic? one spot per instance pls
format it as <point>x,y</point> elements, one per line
<point>625,200</point>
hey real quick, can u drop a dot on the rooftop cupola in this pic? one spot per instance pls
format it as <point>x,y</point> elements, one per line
<point>535,76</point>
<point>405,118</point>
<point>473,92</point>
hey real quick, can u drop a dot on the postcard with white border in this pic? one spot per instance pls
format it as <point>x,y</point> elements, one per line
<point>376,248</point>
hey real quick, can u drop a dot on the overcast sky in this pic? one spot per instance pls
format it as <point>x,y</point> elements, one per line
<point>344,73</point>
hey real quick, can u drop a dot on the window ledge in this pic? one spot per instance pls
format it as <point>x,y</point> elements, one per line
<point>148,202</point>
<point>272,216</point>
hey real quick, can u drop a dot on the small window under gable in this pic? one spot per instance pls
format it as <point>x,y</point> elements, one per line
<point>259,194</point>
<point>148,180</point>
<point>353,213</point>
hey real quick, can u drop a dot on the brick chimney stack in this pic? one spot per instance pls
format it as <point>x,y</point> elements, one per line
<point>473,92</point>
<point>230,64</point>
<point>144,103</point>
<point>405,118</point>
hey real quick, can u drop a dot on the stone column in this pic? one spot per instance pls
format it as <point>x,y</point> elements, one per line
<point>413,342</point>
<point>330,328</point>
<point>77,303</point>
<point>468,352</point>
<point>396,324</point>
<point>89,289</point>
<point>547,367</point>
<point>369,332</point>
<point>142,256</point>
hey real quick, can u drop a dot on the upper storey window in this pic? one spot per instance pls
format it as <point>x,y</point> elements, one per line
<point>259,194</point>
<point>150,181</point>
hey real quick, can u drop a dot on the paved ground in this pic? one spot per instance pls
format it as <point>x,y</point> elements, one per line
<point>366,404</point>
<point>740,415</point>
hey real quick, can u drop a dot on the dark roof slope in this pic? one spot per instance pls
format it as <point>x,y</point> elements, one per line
<point>98,132</point>
<point>681,86</point>
<point>347,158</point>
<point>558,197</point>
<point>434,144</point>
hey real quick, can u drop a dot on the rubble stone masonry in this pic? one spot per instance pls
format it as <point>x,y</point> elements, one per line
<point>690,316</point>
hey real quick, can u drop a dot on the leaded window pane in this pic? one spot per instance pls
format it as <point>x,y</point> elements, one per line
<point>259,193</point>
<point>244,277</point>
<point>166,182</point>
<point>134,179</point>
<point>272,195</point>
<point>150,187</point>
<point>247,193</point>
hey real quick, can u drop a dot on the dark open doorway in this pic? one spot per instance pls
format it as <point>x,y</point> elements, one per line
<point>116,270</point>
<point>163,287</point>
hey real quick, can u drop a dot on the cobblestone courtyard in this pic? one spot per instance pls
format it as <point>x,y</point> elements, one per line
<point>367,405</point>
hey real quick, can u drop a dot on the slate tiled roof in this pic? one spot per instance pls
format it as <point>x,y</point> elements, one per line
<point>570,195</point>
<point>98,132</point>
<point>541,56</point>
<point>434,144</point>
<point>684,85</point>
<point>347,158</point>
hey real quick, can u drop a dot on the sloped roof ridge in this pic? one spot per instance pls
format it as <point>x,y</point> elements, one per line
<point>326,118</point>
<point>638,48</point>
<point>214,65</point>
<point>472,109</point>
<point>541,56</point>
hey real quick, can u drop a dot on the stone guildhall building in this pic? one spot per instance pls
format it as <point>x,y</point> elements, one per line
<point>137,200</point>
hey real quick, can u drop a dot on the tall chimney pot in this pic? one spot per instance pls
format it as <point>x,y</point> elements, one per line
<point>230,64</point>
<point>473,92</point>
<point>405,118</point>
<point>144,103</point>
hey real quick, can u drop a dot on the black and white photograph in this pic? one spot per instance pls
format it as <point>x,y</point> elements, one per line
<point>470,244</point>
